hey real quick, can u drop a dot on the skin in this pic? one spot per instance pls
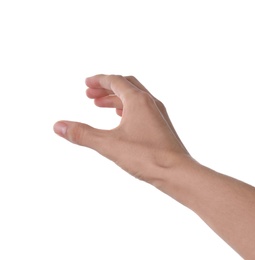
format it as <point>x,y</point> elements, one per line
<point>146,145</point>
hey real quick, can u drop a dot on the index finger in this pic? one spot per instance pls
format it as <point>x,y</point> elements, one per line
<point>119,85</point>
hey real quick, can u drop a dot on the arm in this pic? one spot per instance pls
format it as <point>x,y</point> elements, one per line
<point>146,145</point>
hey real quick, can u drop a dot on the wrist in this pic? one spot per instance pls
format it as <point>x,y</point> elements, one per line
<point>179,179</point>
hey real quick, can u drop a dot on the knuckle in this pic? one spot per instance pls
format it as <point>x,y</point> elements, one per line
<point>143,98</point>
<point>160,105</point>
<point>115,79</point>
<point>131,78</point>
<point>75,134</point>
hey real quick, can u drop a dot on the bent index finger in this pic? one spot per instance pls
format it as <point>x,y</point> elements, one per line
<point>119,85</point>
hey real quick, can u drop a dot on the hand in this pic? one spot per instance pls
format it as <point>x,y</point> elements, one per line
<point>145,139</point>
<point>146,145</point>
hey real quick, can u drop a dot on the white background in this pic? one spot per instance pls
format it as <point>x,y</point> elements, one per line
<point>61,201</point>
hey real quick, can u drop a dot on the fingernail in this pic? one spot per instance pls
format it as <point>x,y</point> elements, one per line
<point>60,128</point>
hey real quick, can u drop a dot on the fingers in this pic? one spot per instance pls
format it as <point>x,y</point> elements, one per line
<point>109,101</point>
<point>95,90</point>
<point>105,97</point>
<point>118,85</point>
<point>98,92</point>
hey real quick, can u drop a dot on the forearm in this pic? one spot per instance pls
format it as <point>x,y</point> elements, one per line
<point>225,204</point>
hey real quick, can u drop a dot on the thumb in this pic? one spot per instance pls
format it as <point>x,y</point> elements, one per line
<point>81,134</point>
